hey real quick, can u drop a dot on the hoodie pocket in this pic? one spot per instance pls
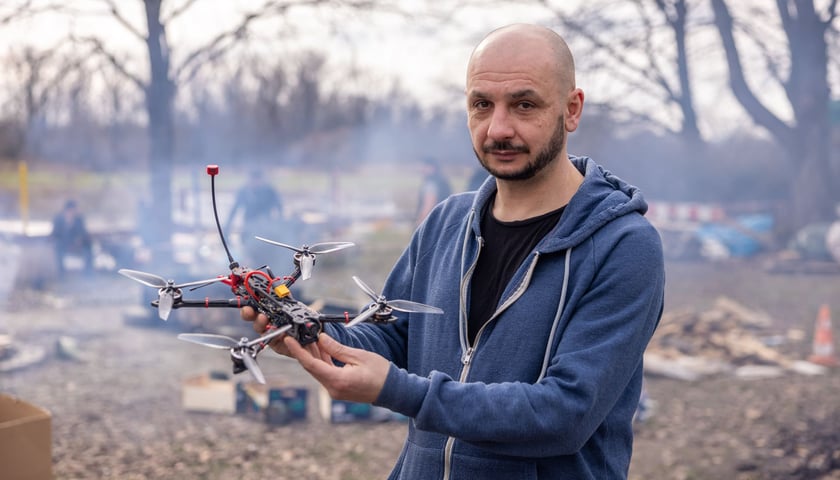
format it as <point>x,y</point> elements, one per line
<point>469,467</point>
<point>418,462</point>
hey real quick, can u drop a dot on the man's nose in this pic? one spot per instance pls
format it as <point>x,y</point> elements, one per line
<point>501,125</point>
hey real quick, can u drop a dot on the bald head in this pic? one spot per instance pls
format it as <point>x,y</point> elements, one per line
<point>526,45</point>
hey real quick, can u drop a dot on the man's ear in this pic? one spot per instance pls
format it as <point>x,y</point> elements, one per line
<point>574,109</point>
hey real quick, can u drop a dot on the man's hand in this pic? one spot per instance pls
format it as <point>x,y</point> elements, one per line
<point>260,324</point>
<point>359,380</point>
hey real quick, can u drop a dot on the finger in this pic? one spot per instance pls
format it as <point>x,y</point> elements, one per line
<point>278,346</point>
<point>314,350</point>
<point>260,324</point>
<point>295,349</point>
<point>325,356</point>
<point>337,350</point>
<point>248,314</point>
<point>312,364</point>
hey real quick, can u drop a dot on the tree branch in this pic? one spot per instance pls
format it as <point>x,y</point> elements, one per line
<point>98,47</point>
<point>224,40</point>
<point>738,83</point>
<point>773,65</point>
<point>178,11</point>
<point>115,12</point>
<point>614,53</point>
<point>618,111</point>
<point>27,9</point>
<point>657,76</point>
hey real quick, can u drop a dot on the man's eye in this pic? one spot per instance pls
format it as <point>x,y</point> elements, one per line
<point>526,106</point>
<point>481,104</point>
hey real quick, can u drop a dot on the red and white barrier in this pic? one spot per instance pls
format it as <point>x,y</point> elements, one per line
<point>684,212</point>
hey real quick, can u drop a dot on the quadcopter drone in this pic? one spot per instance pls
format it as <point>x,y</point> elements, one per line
<point>269,295</point>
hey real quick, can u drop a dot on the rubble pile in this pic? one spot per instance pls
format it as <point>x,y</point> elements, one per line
<point>14,356</point>
<point>728,338</point>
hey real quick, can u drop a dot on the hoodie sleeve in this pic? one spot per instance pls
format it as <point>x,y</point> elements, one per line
<point>388,340</point>
<point>608,327</point>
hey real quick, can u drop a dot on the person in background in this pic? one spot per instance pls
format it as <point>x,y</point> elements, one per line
<point>551,281</point>
<point>260,205</point>
<point>70,236</point>
<point>433,190</point>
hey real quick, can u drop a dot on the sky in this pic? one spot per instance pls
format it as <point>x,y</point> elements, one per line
<point>418,51</point>
<point>427,55</point>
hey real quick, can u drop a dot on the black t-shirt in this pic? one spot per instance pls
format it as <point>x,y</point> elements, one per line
<point>506,246</point>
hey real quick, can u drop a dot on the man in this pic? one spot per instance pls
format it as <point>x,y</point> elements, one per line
<point>70,236</point>
<point>262,208</point>
<point>551,281</point>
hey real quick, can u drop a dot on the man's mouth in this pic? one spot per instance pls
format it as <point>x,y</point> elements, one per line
<point>505,150</point>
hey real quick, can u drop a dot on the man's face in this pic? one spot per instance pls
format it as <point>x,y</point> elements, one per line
<point>535,164</point>
<point>515,112</point>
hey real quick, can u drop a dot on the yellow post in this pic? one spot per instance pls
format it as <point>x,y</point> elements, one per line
<point>23,177</point>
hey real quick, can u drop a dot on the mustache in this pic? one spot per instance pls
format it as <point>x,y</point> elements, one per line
<point>505,146</point>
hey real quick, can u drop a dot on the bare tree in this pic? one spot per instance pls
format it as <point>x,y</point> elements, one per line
<point>39,74</point>
<point>802,72</point>
<point>643,44</point>
<point>160,86</point>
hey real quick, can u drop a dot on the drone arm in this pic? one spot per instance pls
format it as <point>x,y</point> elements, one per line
<point>291,279</point>
<point>336,318</point>
<point>237,302</point>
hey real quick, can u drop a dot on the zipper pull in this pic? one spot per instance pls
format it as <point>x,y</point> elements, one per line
<point>467,356</point>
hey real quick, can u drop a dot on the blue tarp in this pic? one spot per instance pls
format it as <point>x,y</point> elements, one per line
<point>741,236</point>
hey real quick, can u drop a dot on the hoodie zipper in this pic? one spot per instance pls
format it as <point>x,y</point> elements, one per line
<point>465,358</point>
<point>469,351</point>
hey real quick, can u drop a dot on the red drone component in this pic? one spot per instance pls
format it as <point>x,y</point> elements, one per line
<point>212,170</point>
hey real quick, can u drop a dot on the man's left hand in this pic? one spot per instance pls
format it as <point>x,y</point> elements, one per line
<point>361,377</point>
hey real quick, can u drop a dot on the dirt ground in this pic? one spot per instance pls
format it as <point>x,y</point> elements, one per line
<point>117,414</point>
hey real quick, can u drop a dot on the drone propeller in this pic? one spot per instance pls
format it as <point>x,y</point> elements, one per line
<point>251,365</point>
<point>152,280</point>
<point>379,302</point>
<point>242,349</point>
<point>211,340</point>
<point>148,279</point>
<point>167,288</point>
<point>306,254</point>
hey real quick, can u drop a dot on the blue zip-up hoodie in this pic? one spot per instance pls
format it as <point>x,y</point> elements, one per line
<point>551,384</point>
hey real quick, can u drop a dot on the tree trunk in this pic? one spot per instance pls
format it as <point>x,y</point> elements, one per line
<point>160,95</point>
<point>807,142</point>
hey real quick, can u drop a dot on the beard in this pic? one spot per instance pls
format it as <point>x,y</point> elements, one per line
<point>542,160</point>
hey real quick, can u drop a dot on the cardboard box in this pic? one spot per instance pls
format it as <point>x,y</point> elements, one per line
<point>25,440</point>
<point>274,403</point>
<point>209,392</point>
<point>342,411</point>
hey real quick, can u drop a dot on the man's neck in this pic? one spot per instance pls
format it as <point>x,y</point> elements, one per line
<point>549,190</point>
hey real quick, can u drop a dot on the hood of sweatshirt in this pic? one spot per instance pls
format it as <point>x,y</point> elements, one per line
<point>601,198</point>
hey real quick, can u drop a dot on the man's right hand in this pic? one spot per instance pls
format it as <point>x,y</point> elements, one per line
<point>260,325</point>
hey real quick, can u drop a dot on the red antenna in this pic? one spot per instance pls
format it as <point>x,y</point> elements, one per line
<point>213,170</point>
